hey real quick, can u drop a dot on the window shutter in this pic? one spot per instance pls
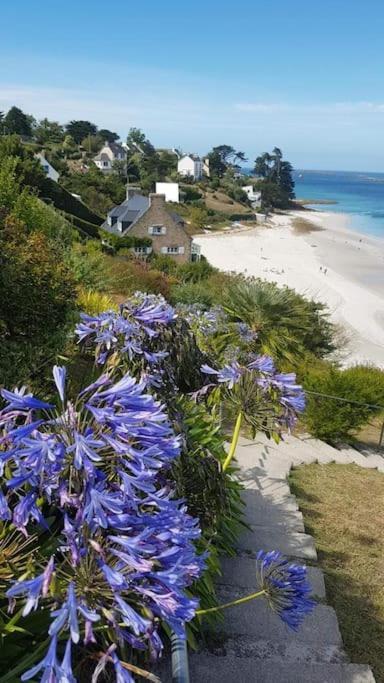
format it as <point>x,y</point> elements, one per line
<point>181,250</point>
<point>164,250</point>
<point>150,231</point>
<point>163,230</point>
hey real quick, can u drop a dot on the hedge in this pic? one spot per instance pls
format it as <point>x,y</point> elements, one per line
<point>63,200</point>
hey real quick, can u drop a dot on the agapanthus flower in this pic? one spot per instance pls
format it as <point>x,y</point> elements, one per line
<point>125,544</point>
<point>130,330</point>
<point>285,586</point>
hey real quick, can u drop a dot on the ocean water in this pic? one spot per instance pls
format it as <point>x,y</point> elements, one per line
<point>361,195</point>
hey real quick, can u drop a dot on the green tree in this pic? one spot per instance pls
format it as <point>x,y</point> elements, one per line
<point>80,129</point>
<point>92,143</point>
<point>28,169</point>
<point>2,131</point>
<point>107,135</point>
<point>17,122</point>
<point>49,132</point>
<point>221,158</point>
<point>69,145</point>
<point>263,165</point>
<point>199,217</point>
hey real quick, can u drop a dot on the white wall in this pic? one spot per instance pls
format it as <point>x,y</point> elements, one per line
<point>171,191</point>
<point>50,171</point>
<point>186,166</point>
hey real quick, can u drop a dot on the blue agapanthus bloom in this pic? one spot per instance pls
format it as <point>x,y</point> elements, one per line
<point>286,587</point>
<point>279,388</point>
<point>129,330</point>
<point>125,545</point>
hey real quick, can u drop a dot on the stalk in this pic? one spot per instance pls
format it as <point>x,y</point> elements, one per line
<point>234,441</point>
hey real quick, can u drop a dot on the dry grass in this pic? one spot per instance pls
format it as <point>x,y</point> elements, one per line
<point>302,226</point>
<point>343,507</point>
<point>219,201</point>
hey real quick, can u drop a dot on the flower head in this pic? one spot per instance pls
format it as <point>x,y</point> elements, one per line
<point>286,587</point>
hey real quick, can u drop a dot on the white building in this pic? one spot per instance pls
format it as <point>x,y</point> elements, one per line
<point>253,196</point>
<point>109,153</point>
<point>170,190</point>
<point>48,168</point>
<point>191,166</point>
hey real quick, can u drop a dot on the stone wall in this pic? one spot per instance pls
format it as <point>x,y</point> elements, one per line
<point>157,214</point>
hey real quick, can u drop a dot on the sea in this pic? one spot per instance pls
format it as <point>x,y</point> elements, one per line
<point>361,195</point>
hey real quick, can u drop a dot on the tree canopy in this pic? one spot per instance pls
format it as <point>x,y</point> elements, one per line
<point>80,129</point>
<point>277,185</point>
<point>17,122</point>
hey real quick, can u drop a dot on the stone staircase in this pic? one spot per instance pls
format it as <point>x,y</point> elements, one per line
<point>253,644</point>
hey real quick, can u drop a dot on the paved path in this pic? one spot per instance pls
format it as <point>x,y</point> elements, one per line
<point>254,645</point>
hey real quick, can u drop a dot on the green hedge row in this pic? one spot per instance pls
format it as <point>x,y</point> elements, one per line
<point>90,229</point>
<point>63,200</point>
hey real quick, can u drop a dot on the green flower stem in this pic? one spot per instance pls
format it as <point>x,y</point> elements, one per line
<point>247,598</point>
<point>235,439</point>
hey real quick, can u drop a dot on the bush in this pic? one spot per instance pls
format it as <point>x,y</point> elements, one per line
<point>94,303</point>
<point>195,271</point>
<point>288,325</point>
<point>126,276</point>
<point>37,294</point>
<point>193,293</point>
<point>333,420</point>
<point>62,199</point>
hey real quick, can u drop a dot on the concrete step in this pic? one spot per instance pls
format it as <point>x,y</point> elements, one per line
<point>256,618</point>
<point>210,669</point>
<point>240,572</point>
<point>375,461</point>
<point>255,499</point>
<point>292,543</point>
<point>271,517</point>
<point>275,651</point>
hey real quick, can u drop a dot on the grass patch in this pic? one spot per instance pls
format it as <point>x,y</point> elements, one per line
<point>343,510</point>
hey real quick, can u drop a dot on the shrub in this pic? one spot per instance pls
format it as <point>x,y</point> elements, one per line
<point>37,294</point>
<point>193,293</point>
<point>287,324</point>
<point>94,302</point>
<point>333,420</point>
<point>195,271</point>
<point>126,276</point>
<point>62,199</point>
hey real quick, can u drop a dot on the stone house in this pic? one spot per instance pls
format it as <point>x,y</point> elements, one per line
<point>109,153</point>
<point>142,216</point>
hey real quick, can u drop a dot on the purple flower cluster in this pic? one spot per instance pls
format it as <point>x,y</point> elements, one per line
<point>125,546</point>
<point>281,387</point>
<point>286,587</point>
<point>129,330</point>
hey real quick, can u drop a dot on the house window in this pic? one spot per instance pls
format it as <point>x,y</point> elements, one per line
<point>140,250</point>
<point>105,163</point>
<point>172,250</point>
<point>157,230</point>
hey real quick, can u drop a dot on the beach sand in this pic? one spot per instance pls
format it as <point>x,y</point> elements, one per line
<point>352,287</point>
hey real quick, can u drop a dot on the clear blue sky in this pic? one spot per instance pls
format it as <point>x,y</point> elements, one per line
<point>306,76</point>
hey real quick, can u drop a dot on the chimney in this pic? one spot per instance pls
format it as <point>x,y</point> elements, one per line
<point>131,191</point>
<point>157,199</point>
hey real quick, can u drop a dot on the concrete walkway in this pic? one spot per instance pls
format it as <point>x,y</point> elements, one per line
<point>253,644</point>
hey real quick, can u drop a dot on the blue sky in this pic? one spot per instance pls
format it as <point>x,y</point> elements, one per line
<point>305,76</point>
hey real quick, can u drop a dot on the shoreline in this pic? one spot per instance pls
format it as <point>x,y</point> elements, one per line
<point>333,264</point>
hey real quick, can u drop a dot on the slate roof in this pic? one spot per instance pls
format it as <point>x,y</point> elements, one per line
<point>129,211</point>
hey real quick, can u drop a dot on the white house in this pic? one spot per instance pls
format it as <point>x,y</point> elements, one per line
<point>170,190</point>
<point>254,197</point>
<point>109,153</point>
<point>48,168</point>
<point>190,165</point>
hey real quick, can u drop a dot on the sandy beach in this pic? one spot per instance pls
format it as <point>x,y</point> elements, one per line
<point>333,264</point>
